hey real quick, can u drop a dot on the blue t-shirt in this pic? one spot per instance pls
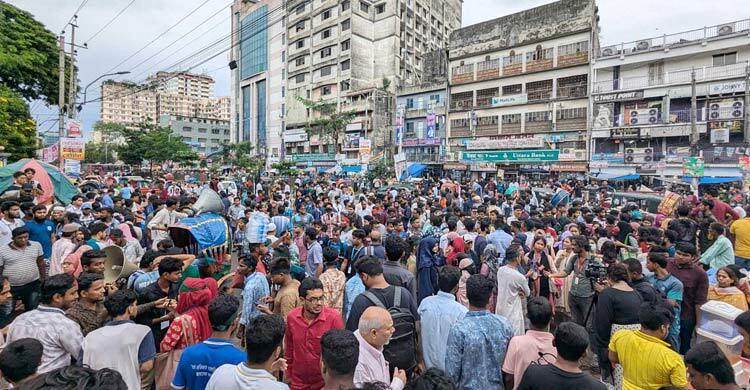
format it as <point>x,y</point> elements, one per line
<point>42,233</point>
<point>126,192</point>
<point>671,288</point>
<point>199,361</point>
<point>145,280</point>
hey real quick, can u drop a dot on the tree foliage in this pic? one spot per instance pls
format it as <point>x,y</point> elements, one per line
<point>99,153</point>
<point>330,122</point>
<point>17,129</point>
<point>379,170</point>
<point>154,145</point>
<point>28,55</point>
<point>285,168</point>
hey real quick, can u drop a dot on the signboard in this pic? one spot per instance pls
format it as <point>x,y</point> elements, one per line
<point>314,140</point>
<point>506,143</point>
<point>611,158</point>
<point>569,167</point>
<point>677,153</point>
<point>314,157</point>
<point>599,164</point>
<point>74,128</point>
<point>511,155</point>
<point>720,136</point>
<point>72,149</point>
<point>483,167</point>
<point>455,166</point>
<point>421,142</point>
<point>733,126</point>
<point>625,133</point>
<point>500,101</point>
<point>431,120</point>
<point>729,87</point>
<point>295,137</point>
<point>694,166</point>
<point>399,164</point>
<point>618,96</point>
<point>49,154</point>
<point>745,163</point>
<point>351,142</point>
<point>365,148</point>
<point>73,167</point>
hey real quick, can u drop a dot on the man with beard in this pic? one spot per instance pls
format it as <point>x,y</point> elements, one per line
<point>11,219</point>
<point>22,262</point>
<point>42,230</point>
<point>88,311</point>
<point>60,336</point>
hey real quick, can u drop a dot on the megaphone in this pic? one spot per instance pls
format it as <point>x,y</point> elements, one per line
<point>208,202</point>
<point>115,266</point>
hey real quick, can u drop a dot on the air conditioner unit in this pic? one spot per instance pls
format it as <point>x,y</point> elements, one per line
<point>726,109</point>
<point>642,45</point>
<point>644,116</point>
<point>725,29</point>
<point>638,155</point>
<point>580,154</point>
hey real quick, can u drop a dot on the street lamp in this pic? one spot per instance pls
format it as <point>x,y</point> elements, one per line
<point>80,106</point>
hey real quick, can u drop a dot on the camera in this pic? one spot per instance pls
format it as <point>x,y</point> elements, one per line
<point>596,272</point>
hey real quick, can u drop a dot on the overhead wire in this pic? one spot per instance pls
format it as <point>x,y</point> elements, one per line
<point>86,42</point>
<point>80,7</point>
<point>159,36</point>
<point>239,30</point>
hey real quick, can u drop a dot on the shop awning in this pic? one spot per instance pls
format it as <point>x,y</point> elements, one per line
<point>351,168</point>
<point>413,170</point>
<point>633,176</point>
<point>713,179</point>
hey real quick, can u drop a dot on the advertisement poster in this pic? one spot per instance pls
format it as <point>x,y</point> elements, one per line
<point>431,125</point>
<point>72,148</point>
<point>74,128</point>
<point>73,167</point>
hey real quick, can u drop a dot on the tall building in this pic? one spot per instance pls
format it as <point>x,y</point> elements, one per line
<point>127,103</point>
<point>642,103</point>
<point>204,135</point>
<point>346,52</point>
<point>258,75</point>
<point>519,88</point>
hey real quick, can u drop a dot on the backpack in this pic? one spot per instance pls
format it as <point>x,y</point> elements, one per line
<point>401,351</point>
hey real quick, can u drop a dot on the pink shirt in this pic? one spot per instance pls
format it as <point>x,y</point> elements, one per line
<point>522,350</point>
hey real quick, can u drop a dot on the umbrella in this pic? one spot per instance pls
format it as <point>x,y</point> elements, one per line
<point>52,181</point>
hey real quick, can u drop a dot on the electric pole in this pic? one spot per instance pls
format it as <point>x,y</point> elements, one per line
<point>693,117</point>
<point>61,102</point>
<point>72,98</point>
<point>747,105</point>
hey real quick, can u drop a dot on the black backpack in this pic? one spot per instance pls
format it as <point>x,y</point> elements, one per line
<point>401,351</point>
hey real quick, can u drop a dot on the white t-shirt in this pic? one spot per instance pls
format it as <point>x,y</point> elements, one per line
<point>6,229</point>
<point>242,377</point>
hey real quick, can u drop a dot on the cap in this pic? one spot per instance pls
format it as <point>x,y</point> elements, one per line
<point>70,228</point>
<point>465,263</point>
<point>86,206</point>
<point>468,237</point>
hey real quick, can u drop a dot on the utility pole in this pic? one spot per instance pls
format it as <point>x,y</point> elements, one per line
<point>61,102</point>
<point>747,105</point>
<point>694,135</point>
<point>72,98</point>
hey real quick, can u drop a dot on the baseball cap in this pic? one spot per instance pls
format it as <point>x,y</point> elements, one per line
<point>86,206</point>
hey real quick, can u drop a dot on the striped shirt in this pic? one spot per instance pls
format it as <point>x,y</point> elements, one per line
<point>19,264</point>
<point>647,362</point>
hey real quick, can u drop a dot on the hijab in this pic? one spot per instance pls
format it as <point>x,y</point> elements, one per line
<point>71,265</point>
<point>425,257</point>
<point>195,295</point>
<point>458,245</point>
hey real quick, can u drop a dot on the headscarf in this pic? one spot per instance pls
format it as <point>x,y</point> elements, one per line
<point>625,229</point>
<point>195,295</point>
<point>425,257</point>
<point>74,259</point>
<point>458,245</point>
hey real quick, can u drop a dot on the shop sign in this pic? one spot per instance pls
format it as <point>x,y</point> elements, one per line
<point>500,101</point>
<point>314,140</point>
<point>72,149</point>
<point>694,166</point>
<point>666,131</point>
<point>511,155</point>
<point>720,136</point>
<point>314,157</point>
<point>410,142</point>
<point>455,166</point>
<point>677,153</point>
<point>483,167</point>
<point>599,164</point>
<point>73,167</point>
<point>351,142</point>
<point>600,133</point>
<point>74,128</point>
<point>295,137</point>
<point>568,167</point>
<point>733,126</point>
<point>354,126</point>
<point>730,87</point>
<point>611,158</point>
<point>505,143</point>
<point>625,133</point>
<point>618,96</point>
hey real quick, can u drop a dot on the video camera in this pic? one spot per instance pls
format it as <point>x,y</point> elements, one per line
<point>596,272</point>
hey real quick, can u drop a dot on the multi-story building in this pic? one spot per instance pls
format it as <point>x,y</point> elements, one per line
<point>355,53</point>
<point>519,92</point>
<point>127,103</point>
<point>203,135</point>
<point>189,85</point>
<point>258,59</point>
<point>643,111</point>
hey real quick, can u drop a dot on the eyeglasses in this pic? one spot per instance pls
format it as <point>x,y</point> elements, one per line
<point>315,299</point>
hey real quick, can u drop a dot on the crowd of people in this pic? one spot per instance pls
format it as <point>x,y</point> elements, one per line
<point>443,284</point>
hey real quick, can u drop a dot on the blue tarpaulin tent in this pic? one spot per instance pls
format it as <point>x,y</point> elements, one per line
<point>413,170</point>
<point>633,176</point>
<point>713,179</point>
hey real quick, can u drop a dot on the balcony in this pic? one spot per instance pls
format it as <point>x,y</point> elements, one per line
<point>571,59</point>
<point>487,70</point>
<point>539,65</point>
<point>512,66</point>
<point>487,126</point>
<point>672,77</point>
<point>539,94</point>
<point>630,118</point>
<point>675,40</point>
<point>462,74</point>
<point>462,101</point>
<point>510,128</point>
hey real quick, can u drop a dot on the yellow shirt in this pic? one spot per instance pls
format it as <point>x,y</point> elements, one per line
<point>740,229</point>
<point>648,363</point>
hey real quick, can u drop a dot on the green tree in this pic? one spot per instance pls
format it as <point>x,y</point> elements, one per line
<point>379,170</point>
<point>17,129</point>
<point>154,145</point>
<point>331,122</point>
<point>99,153</point>
<point>285,168</point>
<point>28,55</point>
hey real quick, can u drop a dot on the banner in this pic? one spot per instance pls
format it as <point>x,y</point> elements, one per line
<point>431,119</point>
<point>72,148</point>
<point>365,148</point>
<point>73,167</point>
<point>74,128</point>
<point>49,154</point>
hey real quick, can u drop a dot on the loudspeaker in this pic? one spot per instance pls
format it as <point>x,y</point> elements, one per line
<point>115,267</point>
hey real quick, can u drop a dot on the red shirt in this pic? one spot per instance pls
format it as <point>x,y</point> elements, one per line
<point>302,346</point>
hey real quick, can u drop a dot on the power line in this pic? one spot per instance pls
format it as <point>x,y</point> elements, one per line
<point>80,7</point>
<point>108,23</point>
<point>159,36</point>
<point>181,37</point>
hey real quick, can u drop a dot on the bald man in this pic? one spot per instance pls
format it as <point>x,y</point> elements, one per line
<point>374,331</point>
<point>376,247</point>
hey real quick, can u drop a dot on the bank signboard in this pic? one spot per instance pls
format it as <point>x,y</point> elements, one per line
<point>511,155</point>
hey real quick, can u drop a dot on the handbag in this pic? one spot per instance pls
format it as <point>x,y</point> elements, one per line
<point>165,364</point>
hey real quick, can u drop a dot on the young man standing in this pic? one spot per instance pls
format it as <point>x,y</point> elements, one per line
<point>287,297</point>
<point>22,262</point>
<point>314,252</point>
<point>671,288</point>
<point>98,240</point>
<point>159,318</point>
<point>339,355</point>
<point>199,361</point>
<point>11,219</point>
<point>263,339</point>
<point>305,325</point>
<point>256,289</point>
<point>695,284</point>
<point>511,285</point>
<point>562,371</point>
<point>537,342</point>
<point>42,230</point>
<point>477,343</point>
<point>121,344</point>
<point>740,231</point>
<point>88,311</point>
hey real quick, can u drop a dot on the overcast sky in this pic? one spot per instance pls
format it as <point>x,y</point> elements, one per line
<point>144,20</point>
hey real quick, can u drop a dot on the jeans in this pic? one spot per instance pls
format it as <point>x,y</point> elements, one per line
<point>742,262</point>
<point>579,308</point>
<point>29,294</point>
<point>687,326</point>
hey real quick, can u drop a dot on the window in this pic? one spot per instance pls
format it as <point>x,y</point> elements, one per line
<point>364,7</point>
<point>300,9</point>
<point>326,71</point>
<point>299,61</point>
<point>345,25</point>
<point>300,43</point>
<point>514,89</point>
<point>300,78</point>
<point>571,113</point>
<point>511,119</point>
<point>725,59</point>
<point>345,45</point>
<point>573,48</point>
<point>325,52</point>
<point>435,98</point>
<point>325,34</point>
<point>344,5</point>
<point>283,56</point>
<point>299,26</point>
<point>326,14</point>
<point>345,85</point>
<point>215,131</point>
<point>187,139</point>
<point>380,8</point>
<point>326,90</point>
<point>202,130</point>
<point>187,129</point>
<point>538,116</point>
<point>345,65</point>
<point>409,103</point>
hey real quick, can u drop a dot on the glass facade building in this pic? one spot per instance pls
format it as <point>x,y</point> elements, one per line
<point>254,43</point>
<point>260,87</point>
